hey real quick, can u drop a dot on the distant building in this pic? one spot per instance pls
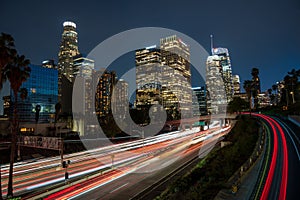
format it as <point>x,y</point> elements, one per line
<point>49,64</point>
<point>199,101</point>
<point>176,74</point>
<point>163,77</point>
<point>42,88</point>
<point>236,84</point>
<point>120,102</point>
<point>242,95</point>
<point>263,100</point>
<point>105,84</point>
<point>148,76</point>
<point>216,93</point>
<point>226,71</point>
<point>68,49</point>
<point>85,68</point>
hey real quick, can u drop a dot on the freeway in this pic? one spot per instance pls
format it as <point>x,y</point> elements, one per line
<point>283,176</point>
<point>141,175</point>
<point>43,174</point>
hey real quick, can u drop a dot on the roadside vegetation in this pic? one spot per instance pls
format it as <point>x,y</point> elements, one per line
<point>212,172</point>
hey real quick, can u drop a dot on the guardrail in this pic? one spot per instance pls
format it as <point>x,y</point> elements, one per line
<point>236,179</point>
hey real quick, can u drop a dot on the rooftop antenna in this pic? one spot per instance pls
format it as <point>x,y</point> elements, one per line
<point>212,44</point>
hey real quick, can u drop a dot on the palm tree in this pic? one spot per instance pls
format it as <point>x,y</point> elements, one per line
<point>7,54</point>
<point>37,113</point>
<point>248,88</point>
<point>255,85</point>
<point>16,72</point>
<point>293,82</point>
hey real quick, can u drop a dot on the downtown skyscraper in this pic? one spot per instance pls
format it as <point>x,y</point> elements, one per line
<point>226,71</point>
<point>148,76</point>
<point>219,80</point>
<point>68,49</point>
<point>163,77</point>
<point>216,95</point>
<point>176,74</point>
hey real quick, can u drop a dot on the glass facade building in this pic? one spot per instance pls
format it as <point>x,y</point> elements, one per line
<point>85,69</point>
<point>163,77</point>
<point>176,74</point>
<point>148,76</point>
<point>105,84</point>
<point>225,64</point>
<point>199,101</point>
<point>236,84</point>
<point>216,93</point>
<point>42,88</point>
<point>119,101</point>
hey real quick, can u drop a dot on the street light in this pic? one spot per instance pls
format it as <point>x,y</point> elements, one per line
<point>65,165</point>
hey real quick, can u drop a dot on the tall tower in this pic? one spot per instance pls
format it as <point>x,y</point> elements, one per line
<point>176,75</point>
<point>68,49</point>
<point>224,58</point>
<point>148,76</point>
<point>119,102</point>
<point>216,93</point>
<point>84,70</point>
<point>236,84</point>
<point>106,81</point>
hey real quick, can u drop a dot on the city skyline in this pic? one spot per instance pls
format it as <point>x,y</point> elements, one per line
<point>265,36</point>
<point>150,100</point>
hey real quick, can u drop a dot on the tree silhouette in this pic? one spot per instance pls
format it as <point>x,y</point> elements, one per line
<point>7,54</point>
<point>255,85</point>
<point>248,88</point>
<point>37,113</point>
<point>16,71</point>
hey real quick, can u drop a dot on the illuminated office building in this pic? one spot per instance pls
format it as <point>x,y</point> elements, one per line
<point>42,90</point>
<point>199,101</point>
<point>85,68</point>
<point>176,74</point>
<point>236,84</point>
<point>148,76</point>
<point>68,49</point>
<point>120,101</point>
<point>216,93</point>
<point>105,84</point>
<point>49,64</point>
<point>224,60</point>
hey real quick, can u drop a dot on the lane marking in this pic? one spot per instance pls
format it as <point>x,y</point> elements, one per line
<point>284,180</point>
<point>270,176</point>
<point>288,132</point>
<point>119,187</point>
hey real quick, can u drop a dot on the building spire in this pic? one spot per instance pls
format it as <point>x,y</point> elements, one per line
<point>212,44</point>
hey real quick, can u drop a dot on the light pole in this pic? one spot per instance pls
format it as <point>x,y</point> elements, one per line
<point>65,165</point>
<point>19,150</point>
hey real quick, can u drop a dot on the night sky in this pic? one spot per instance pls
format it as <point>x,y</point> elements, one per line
<point>258,33</point>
